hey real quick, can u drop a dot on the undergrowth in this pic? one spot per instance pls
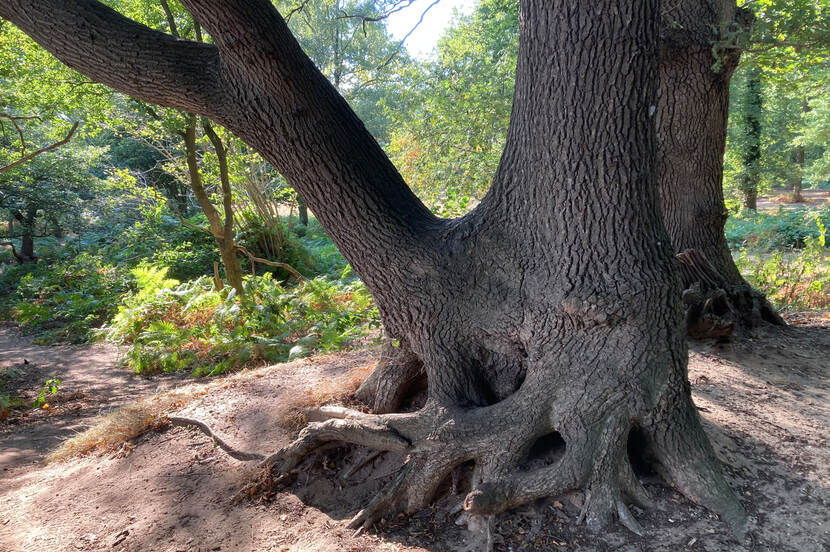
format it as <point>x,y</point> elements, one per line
<point>792,278</point>
<point>782,229</point>
<point>170,326</point>
<point>66,301</point>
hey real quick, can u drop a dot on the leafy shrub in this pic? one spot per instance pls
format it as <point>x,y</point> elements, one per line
<point>68,300</point>
<point>49,388</point>
<point>163,240</point>
<point>170,326</point>
<point>323,256</point>
<point>783,229</point>
<point>794,279</point>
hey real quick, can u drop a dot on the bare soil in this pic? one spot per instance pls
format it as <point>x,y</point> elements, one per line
<point>781,199</point>
<point>764,399</point>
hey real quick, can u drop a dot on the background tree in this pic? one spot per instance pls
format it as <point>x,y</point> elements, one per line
<point>564,268</point>
<point>46,195</point>
<point>751,143</point>
<point>783,62</point>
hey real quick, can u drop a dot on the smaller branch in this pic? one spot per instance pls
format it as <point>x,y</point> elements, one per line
<point>293,11</point>
<point>407,35</point>
<point>171,21</point>
<point>242,249</point>
<point>380,17</point>
<point>18,129</point>
<point>34,154</point>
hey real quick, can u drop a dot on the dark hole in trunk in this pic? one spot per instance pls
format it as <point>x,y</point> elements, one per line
<point>640,455</point>
<point>545,451</point>
<point>463,476</point>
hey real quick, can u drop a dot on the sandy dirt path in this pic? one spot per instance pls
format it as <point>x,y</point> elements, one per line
<point>92,385</point>
<point>764,400</point>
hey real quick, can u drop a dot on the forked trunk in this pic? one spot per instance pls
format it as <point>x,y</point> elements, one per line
<point>552,308</point>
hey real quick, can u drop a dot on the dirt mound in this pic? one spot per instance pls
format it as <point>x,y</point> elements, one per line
<point>765,402</point>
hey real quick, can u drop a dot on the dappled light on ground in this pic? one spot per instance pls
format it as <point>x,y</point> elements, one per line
<point>763,399</point>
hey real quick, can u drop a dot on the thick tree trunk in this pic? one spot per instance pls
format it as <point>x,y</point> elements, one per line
<point>27,247</point>
<point>691,119</point>
<point>692,115</point>
<point>552,308</point>
<point>27,240</point>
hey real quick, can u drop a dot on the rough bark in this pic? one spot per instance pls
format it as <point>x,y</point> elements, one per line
<point>552,308</point>
<point>696,63</point>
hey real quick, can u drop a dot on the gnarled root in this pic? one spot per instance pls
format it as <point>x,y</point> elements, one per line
<point>438,439</point>
<point>229,449</point>
<point>714,307</point>
<point>398,371</point>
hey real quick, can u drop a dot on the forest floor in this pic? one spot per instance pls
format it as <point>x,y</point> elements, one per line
<point>779,198</point>
<point>764,399</point>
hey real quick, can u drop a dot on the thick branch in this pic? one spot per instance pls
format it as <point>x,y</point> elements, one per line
<point>114,50</point>
<point>296,119</point>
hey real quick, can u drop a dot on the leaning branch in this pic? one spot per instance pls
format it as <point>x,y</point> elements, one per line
<point>242,249</point>
<point>41,151</point>
<point>114,50</point>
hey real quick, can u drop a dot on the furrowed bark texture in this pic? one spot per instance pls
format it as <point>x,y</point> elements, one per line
<point>696,64</point>
<point>552,309</point>
<point>692,115</point>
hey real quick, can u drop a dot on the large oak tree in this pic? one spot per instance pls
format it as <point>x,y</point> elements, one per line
<point>552,308</point>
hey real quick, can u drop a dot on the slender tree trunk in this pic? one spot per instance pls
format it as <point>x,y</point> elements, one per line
<point>302,210</point>
<point>750,177</point>
<point>222,231</point>
<point>551,309</point>
<point>798,181</point>
<point>692,114</point>
<point>227,243</point>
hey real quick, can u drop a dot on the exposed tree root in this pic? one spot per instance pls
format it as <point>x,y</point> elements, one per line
<point>714,307</point>
<point>398,371</point>
<point>204,428</point>
<point>438,439</point>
